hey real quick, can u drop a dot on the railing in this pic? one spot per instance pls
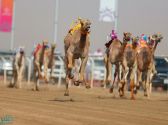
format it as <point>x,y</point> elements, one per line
<point>59,70</point>
<point>96,71</point>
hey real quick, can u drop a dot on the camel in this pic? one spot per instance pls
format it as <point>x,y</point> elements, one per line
<point>114,56</point>
<point>129,66</point>
<point>18,68</point>
<point>38,61</point>
<point>145,63</point>
<point>76,46</point>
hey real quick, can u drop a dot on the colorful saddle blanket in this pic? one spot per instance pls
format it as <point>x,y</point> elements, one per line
<point>76,27</point>
<point>37,48</point>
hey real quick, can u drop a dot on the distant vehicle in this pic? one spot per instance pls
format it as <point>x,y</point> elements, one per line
<point>161,78</point>
<point>6,58</point>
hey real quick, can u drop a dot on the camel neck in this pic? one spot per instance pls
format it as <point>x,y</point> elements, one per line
<point>20,60</point>
<point>51,58</point>
<point>155,45</point>
<point>42,55</point>
<point>83,40</point>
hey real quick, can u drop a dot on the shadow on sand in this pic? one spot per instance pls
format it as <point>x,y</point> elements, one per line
<point>65,100</point>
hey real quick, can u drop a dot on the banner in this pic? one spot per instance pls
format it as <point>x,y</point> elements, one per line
<point>107,10</point>
<point>6,12</point>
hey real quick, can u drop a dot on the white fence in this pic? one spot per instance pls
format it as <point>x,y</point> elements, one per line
<point>95,69</point>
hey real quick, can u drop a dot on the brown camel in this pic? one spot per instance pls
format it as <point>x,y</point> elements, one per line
<point>153,42</point>
<point>18,68</point>
<point>39,61</point>
<point>129,66</point>
<point>76,46</point>
<point>114,56</point>
<point>145,63</point>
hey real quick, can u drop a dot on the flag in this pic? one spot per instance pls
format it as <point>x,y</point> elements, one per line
<point>6,12</point>
<point>107,10</point>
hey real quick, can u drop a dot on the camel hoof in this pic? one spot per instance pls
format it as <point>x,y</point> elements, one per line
<point>35,89</point>
<point>66,94</point>
<point>40,76</point>
<point>137,87</point>
<point>102,85</point>
<point>88,86</point>
<point>108,83</point>
<point>121,95</point>
<point>77,83</point>
<point>111,90</point>
<point>17,87</point>
<point>135,91</point>
<point>46,80</point>
<point>145,95</point>
<point>132,98</point>
<point>70,76</point>
<point>10,86</point>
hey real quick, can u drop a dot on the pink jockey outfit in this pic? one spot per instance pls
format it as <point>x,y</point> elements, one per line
<point>113,36</point>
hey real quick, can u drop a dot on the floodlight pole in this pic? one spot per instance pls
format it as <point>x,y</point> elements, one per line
<point>56,20</point>
<point>13,26</point>
<point>116,16</point>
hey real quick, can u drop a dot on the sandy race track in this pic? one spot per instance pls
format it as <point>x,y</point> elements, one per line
<point>83,107</point>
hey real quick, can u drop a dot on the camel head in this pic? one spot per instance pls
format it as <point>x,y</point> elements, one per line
<point>85,26</point>
<point>154,40</point>
<point>21,50</point>
<point>135,41</point>
<point>45,43</point>
<point>157,37</point>
<point>127,36</point>
<point>53,46</point>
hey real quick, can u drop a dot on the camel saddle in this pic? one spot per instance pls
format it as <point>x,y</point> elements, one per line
<point>76,27</point>
<point>38,47</point>
<point>142,43</point>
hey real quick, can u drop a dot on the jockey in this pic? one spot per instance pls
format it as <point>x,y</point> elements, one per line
<point>113,36</point>
<point>39,46</point>
<point>75,26</point>
<point>143,40</point>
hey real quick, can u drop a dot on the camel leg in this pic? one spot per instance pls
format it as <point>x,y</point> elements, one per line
<point>36,80</point>
<point>19,79</point>
<point>132,88</point>
<point>46,72</point>
<point>123,81</point>
<point>144,82</point>
<point>148,84</point>
<point>38,69</point>
<point>66,87</point>
<point>14,79</point>
<point>70,65</point>
<point>76,81</point>
<point>132,74</point>
<point>82,70</point>
<point>115,75</point>
<point>139,79</point>
<point>108,72</point>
